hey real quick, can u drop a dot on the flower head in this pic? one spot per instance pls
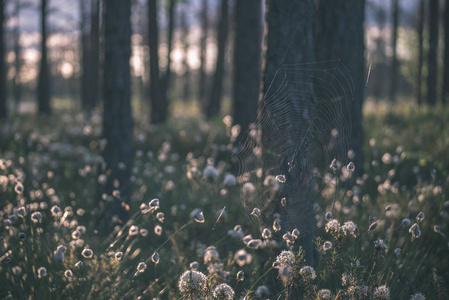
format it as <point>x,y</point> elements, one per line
<point>193,284</point>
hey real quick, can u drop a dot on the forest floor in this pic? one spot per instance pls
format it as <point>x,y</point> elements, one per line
<point>51,246</point>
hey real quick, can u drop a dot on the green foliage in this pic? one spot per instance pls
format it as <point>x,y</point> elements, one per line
<point>184,164</point>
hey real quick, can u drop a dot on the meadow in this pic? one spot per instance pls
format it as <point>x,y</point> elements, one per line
<point>189,237</point>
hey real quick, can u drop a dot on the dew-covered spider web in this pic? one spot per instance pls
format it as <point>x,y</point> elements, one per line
<point>303,128</point>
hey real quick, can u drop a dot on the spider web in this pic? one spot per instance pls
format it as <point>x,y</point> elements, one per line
<point>303,125</point>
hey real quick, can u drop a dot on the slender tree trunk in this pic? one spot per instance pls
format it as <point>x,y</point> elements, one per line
<point>445,94</point>
<point>284,113</point>
<point>339,37</point>
<point>213,107</point>
<point>433,52</point>
<point>419,65</point>
<point>17,86</point>
<point>394,58</point>
<point>185,62</point>
<point>43,85</point>
<point>157,105</point>
<point>3,106</point>
<point>203,54</point>
<point>247,63</point>
<point>94,52</point>
<point>85,53</point>
<point>117,120</point>
<point>165,82</point>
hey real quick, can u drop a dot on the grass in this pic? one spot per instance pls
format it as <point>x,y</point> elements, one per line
<point>57,162</point>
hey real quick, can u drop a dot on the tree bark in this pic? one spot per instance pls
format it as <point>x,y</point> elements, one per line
<point>157,103</point>
<point>165,82</point>
<point>213,107</point>
<point>339,37</point>
<point>394,58</point>
<point>433,52</point>
<point>203,53</point>
<point>247,63</point>
<point>3,106</point>
<point>43,85</point>
<point>284,116</point>
<point>420,30</point>
<point>117,120</point>
<point>445,94</point>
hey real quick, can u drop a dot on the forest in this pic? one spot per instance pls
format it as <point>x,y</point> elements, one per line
<point>224,149</point>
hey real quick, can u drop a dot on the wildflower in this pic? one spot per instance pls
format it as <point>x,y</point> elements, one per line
<point>79,264</point>
<point>280,178</point>
<point>261,291</point>
<point>285,258</point>
<point>210,173</point>
<point>351,167</point>
<point>76,234</point>
<point>18,188</point>
<point>417,296</point>
<point>357,291</point>
<point>58,255</point>
<point>240,276</point>
<point>324,294</point>
<point>420,217</point>
<point>372,226</point>
<point>379,244</point>
<point>56,211</point>
<point>242,257</point>
<point>328,216</point>
<point>388,208</point>
<point>41,272</point>
<point>36,217</point>
<point>21,211</point>
<point>237,232</point>
<point>17,270</point>
<point>308,273</point>
<point>22,236</point>
<point>350,228</point>
<point>211,255</point>
<point>332,226</point>
<point>143,232</point>
<point>223,291</point>
<point>284,201</point>
<point>248,188</point>
<point>437,228</point>
<point>256,212</point>
<point>406,222</point>
<point>87,253</point>
<point>194,265</point>
<point>160,216</point>
<point>277,225</point>
<point>141,267</point>
<point>158,229</point>
<point>382,292</point>
<point>327,246</point>
<point>118,255</point>
<point>254,244</point>
<point>229,180</point>
<point>295,233</point>
<point>197,215</point>
<point>154,204</point>
<point>68,273</point>
<point>397,251</point>
<point>266,233</point>
<point>155,258</point>
<point>415,231</point>
<point>133,230</point>
<point>193,284</point>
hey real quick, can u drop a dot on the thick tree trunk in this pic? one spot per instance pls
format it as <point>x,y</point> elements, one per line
<point>156,96</point>
<point>419,65</point>
<point>339,37</point>
<point>43,85</point>
<point>213,107</point>
<point>117,120</point>
<point>202,87</point>
<point>433,52</point>
<point>445,94</point>
<point>247,62</point>
<point>285,113</point>
<point>3,112</point>
<point>394,58</point>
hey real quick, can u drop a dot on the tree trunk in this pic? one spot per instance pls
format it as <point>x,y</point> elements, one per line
<point>247,63</point>
<point>43,85</point>
<point>203,54</point>
<point>213,107</point>
<point>17,86</point>
<point>94,53</point>
<point>3,106</point>
<point>445,94</point>
<point>185,63</point>
<point>165,82</point>
<point>85,53</point>
<point>339,37</point>
<point>117,120</point>
<point>157,105</point>
<point>432,55</point>
<point>284,116</point>
<point>420,30</point>
<point>394,58</point>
